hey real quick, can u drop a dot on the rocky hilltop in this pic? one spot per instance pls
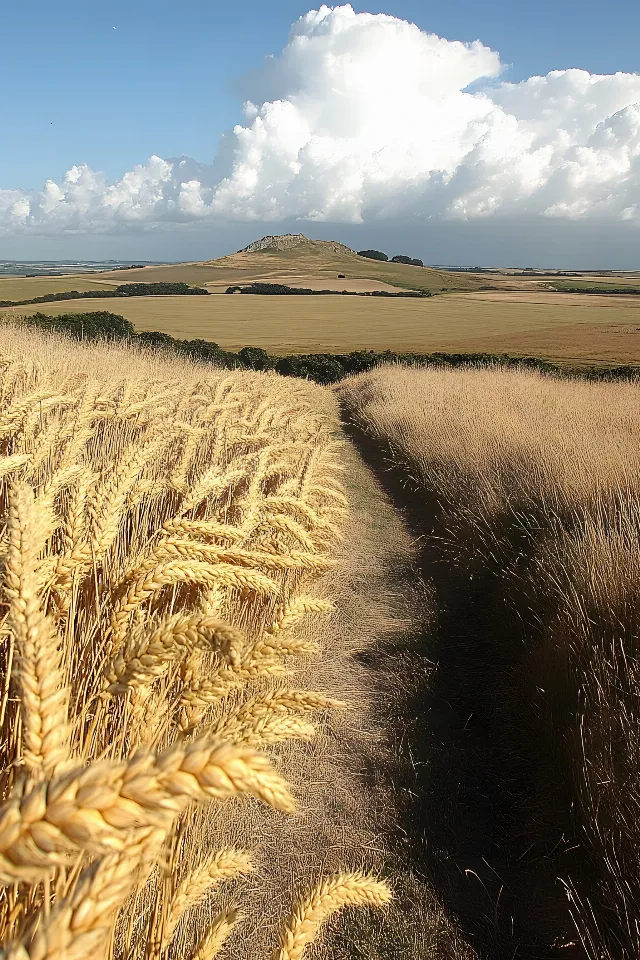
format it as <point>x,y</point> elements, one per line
<point>288,240</point>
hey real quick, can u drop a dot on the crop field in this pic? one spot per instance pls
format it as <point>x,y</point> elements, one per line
<point>531,554</point>
<point>562,326</point>
<point>163,531</point>
<point>271,651</point>
<point>25,288</point>
<point>603,283</point>
<point>313,282</point>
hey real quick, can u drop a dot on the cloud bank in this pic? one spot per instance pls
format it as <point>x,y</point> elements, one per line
<point>365,118</point>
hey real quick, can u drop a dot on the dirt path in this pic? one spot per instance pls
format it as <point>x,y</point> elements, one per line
<point>354,780</point>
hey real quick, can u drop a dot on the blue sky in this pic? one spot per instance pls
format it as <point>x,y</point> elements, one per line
<point>170,78</point>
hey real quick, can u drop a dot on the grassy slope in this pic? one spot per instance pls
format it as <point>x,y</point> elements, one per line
<point>313,258</point>
<point>554,326</point>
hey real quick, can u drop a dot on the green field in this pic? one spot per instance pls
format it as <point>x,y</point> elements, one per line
<point>599,284</point>
<point>551,325</point>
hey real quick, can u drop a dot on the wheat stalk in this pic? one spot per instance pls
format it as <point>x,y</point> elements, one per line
<point>96,808</point>
<point>327,897</point>
<point>223,865</point>
<point>44,695</point>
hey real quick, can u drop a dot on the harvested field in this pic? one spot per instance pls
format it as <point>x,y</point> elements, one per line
<point>552,300</point>
<point>25,288</point>
<point>314,283</point>
<point>547,325</point>
<point>580,343</point>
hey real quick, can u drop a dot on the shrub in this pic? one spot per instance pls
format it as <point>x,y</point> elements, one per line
<point>373,254</point>
<point>399,258</point>
<point>98,325</point>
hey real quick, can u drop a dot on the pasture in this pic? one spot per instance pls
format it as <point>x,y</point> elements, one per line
<point>549,325</point>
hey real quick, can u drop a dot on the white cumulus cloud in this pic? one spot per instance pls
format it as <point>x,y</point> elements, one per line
<point>364,117</point>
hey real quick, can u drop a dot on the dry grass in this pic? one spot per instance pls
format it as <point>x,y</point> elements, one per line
<point>537,482</point>
<point>162,529</point>
<point>543,324</point>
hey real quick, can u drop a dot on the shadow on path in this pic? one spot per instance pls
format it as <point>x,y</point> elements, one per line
<point>482,807</point>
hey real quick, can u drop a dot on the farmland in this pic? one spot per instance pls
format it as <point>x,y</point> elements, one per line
<point>550,325</point>
<point>168,563</point>
<point>296,648</point>
<point>317,260</point>
<point>25,288</point>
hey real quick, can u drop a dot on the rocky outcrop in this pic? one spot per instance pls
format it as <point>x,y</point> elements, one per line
<point>288,240</point>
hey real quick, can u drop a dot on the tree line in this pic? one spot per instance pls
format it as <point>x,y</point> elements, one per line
<point>281,289</point>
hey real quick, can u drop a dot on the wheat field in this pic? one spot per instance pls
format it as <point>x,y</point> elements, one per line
<point>530,486</point>
<point>163,526</point>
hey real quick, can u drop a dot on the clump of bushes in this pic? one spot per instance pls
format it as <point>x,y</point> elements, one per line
<point>373,254</point>
<point>400,258</point>
<point>96,325</point>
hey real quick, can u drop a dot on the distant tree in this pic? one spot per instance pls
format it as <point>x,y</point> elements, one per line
<point>373,254</point>
<point>400,258</point>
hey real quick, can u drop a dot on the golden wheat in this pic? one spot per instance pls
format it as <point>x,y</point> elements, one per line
<point>312,911</point>
<point>160,528</point>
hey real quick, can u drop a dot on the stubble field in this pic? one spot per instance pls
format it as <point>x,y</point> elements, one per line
<point>549,325</point>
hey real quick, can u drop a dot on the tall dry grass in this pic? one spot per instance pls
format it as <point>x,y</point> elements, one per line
<point>537,480</point>
<point>162,526</point>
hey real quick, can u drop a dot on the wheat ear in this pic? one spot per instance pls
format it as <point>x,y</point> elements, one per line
<point>146,657</point>
<point>13,463</point>
<point>44,694</point>
<point>215,938</point>
<point>98,807</point>
<point>345,890</point>
<point>80,926</point>
<point>221,866</point>
<point>175,548</point>
<point>273,717</point>
<point>142,587</point>
<point>289,614</point>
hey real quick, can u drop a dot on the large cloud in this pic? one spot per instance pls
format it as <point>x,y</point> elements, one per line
<point>365,118</point>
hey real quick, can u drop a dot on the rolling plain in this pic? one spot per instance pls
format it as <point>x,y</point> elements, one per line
<point>301,648</point>
<point>545,324</point>
<point>494,313</point>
